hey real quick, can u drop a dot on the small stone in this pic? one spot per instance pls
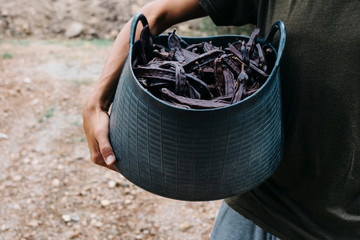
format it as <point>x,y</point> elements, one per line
<point>66,218</point>
<point>35,101</point>
<point>27,80</point>
<point>64,199</point>
<point>4,228</point>
<point>94,21</point>
<point>114,33</point>
<point>26,160</point>
<point>17,178</point>
<point>74,30</point>
<point>127,201</point>
<point>5,13</point>
<point>33,223</point>
<point>185,226</point>
<point>111,184</point>
<point>3,136</point>
<point>26,28</point>
<point>105,202</point>
<point>55,182</point>
<point>60,167</point>
<point>75,217</point>
<point>96,223</point>
<point>112,232</point>
<point>73,234</point>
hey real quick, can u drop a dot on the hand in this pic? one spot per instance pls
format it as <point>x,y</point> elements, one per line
<point>161,14</point>
<point>96,126</point>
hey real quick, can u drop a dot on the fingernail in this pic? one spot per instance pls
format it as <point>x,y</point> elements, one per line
<point>110,159</point>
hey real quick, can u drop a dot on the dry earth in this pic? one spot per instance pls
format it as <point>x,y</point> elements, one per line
<point>87,19</point>
<point>49,188</point>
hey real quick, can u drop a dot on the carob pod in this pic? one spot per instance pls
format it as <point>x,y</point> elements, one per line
<point>163,75</point>
<point>208,46</point>
<point>243,57</point>
<point>146,50</point>
<point>241,85</point>
<point>193,103</point>
<point>202,60</point>
<point>251,43</point>
<point>181,54</point>
<point>219,76</point>
<point>261,57</point>
<point>180,83</point>
<point>229,82</point>
<point>202,75</point>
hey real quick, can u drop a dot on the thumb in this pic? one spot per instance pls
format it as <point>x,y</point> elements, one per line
<point>106,149</point>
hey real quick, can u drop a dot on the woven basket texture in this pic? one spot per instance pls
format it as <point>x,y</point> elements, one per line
<point>195,155</point>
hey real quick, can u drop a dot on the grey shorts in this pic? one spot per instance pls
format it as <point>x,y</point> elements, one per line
<point>230,225</point>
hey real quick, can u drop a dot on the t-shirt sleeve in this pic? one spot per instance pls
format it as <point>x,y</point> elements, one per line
<point>231,12</point>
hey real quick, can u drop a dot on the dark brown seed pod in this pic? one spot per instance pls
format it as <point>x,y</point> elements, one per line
<point>202,75</point>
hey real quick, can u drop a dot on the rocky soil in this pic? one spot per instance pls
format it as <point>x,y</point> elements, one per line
<point>87,19</point>
<point>49,188</point>
<point>51,54</point>
<point>52,18</point>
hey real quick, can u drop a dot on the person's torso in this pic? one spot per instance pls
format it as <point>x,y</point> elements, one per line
<point>315,193</point>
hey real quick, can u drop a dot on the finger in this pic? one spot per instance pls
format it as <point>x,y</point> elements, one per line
<point>105,148</point>
<point>98,159</point>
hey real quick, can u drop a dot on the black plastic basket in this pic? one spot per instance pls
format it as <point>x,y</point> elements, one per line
<point>196,155</point>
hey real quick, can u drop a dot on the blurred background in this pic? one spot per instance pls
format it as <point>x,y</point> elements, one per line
<point>51,54</point>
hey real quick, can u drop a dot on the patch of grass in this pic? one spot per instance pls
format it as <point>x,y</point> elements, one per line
<point>79,82</point>
<point>101,42</point>
<point>50,41</point>
<point>76,124</point>
<point>207,25</point>
<point>21,42</point>
<point>48,114</point>
<point>7,55</point>
<point>75,43</point>
<point>96,42</point>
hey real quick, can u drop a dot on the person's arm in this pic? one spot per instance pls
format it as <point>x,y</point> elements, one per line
<point>161,14</point>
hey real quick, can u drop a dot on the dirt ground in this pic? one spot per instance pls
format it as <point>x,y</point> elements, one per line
<point>86,19</point>
<point>49,188</point>
<point>51,54</point>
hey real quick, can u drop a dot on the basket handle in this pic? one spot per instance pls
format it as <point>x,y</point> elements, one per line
<point>138,17</point>
<point>278,26</point>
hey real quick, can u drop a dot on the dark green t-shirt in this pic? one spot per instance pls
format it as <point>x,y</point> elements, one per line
<point>315,192</point>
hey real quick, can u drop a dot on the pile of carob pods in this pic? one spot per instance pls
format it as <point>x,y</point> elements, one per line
<point>201,75</point>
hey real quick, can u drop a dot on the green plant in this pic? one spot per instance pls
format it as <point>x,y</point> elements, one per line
<point>48,113</point>
<point>7,55</point>
<point>207,25</point>
<point>21,42</point>
<point>84,81</point>
<point>101,42</point>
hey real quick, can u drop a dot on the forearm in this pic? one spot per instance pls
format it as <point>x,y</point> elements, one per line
<point>161,14</point>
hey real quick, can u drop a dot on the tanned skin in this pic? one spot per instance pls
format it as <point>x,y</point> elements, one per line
<point>161,14</point>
